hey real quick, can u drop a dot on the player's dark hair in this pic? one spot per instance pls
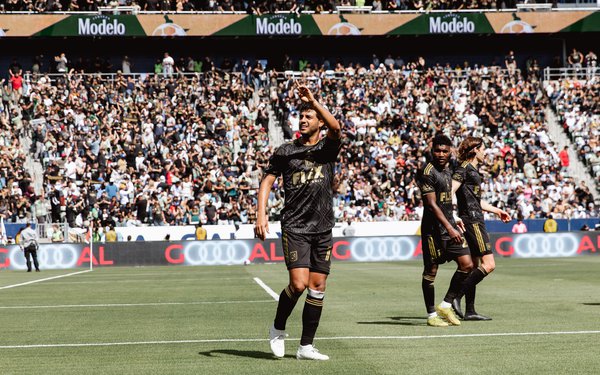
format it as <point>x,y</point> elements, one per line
<point>441,140</point>
<point>303,107</point>
<point>468,147</point>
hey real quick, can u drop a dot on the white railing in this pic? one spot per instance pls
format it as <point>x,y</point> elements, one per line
<point>29,76</point>
<point>332,74</point>
<point>583,73</point>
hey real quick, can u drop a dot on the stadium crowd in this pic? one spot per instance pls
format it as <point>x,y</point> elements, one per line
<point>577,103</point>
<point>171,148</point>
<point>257,7</point>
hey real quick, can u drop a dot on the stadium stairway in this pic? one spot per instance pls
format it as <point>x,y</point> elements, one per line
<point>276,137</point>
<point>577,169</point>
<point>33,167</point>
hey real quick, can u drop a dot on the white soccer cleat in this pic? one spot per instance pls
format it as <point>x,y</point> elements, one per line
<point>277,341</point>
<point>310,352</point>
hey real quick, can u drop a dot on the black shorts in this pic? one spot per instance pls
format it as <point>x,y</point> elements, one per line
<point>312,251</point>
<point>478,239</point>
<point>439,251</point>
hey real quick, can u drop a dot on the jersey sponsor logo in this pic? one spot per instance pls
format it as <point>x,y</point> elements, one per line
<point>445,197</point>
<point>314,174</point>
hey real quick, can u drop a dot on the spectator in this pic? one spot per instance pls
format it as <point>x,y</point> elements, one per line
<point>519,227</point>
<point>550,225</point>
<point>61,63</point>
<point>349,230</point>
<point>111,234</point>
<point>56,235</point>
<point>200,232</point>
<point>167,65</point>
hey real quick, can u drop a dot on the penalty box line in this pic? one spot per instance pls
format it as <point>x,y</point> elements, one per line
<point>340,338</point>
<point>41,280</point>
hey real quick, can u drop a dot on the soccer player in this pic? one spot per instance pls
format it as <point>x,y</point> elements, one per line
<point>466,183</point>
<point>307,166</point>
<point>440,236</point>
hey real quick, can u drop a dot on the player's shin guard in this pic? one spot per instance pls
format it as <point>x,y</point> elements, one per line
<point>287,302</point>
<point>468,287</point>
<point>428,293</point>
<point>311,316</point>
<point>456,284</point>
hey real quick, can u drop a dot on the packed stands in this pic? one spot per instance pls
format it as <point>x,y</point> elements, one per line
<point>171,148</point>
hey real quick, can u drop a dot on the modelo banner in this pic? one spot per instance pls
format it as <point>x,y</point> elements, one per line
<point>181,25</point>
<point>232,252</point>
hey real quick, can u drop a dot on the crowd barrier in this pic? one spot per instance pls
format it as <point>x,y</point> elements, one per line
<point>361,229</point>
<point>237,252</point>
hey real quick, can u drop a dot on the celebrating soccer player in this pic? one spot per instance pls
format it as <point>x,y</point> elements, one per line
<point>466,182</point>
<point>307,166</point>
<point>440,237</point>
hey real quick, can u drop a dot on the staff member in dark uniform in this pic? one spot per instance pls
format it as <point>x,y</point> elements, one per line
<point>307,165</point>
<point>29,245</point>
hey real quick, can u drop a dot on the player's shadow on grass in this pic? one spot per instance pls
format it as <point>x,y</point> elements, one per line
<point>400,321</point>
<point>241,353</point>
<point>592,304</point>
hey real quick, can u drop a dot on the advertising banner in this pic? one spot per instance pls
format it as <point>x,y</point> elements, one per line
<point>286,25</point>
<point>232,252</point>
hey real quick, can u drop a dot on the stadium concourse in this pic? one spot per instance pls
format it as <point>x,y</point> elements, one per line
<point>161,149</point>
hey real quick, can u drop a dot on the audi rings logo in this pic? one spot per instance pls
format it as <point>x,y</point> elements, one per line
<point>49,257</point>
<point>209,253</point>
<point>546,245</point>
<point>383,249</point>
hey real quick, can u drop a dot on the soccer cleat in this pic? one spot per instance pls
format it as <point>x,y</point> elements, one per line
<point>475,316</point>
<point>436,321</point>
<point>277,341</point>
<point>310,352</point>
<point>448,314</point>
<point>456,307</point>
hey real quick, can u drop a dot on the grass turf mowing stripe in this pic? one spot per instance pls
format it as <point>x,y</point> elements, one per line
<point>46,279</point>
<point>168,342</point>
<point>131,304</point>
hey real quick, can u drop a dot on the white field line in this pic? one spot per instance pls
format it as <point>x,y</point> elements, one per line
<point>46,279</point>
<point>338,338</point>
<point>21,307</point>
<point>267,289</point>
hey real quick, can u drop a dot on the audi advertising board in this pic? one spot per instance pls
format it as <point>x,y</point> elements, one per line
<point>229,252</point>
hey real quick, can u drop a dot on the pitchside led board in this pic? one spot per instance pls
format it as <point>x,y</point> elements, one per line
<point>181,25</point>
<point>237,252</point>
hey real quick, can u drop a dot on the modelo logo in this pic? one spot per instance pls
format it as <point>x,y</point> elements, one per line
<point>91,26</point>
<point>267,26</point>
<point>438,26</point>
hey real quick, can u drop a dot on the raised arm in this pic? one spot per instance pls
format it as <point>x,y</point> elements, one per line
<point>334,130</point>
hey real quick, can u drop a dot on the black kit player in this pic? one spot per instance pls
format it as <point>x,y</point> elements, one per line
<point>466,182</point>
<point>440,237</point>
<point>307,165</point>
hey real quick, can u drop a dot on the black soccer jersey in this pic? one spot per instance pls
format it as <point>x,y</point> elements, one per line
<point>308,173</point>
<point>468,196</point>
<point>432,180</point>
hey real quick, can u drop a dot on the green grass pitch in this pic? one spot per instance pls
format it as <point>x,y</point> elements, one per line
<point>214,320</point>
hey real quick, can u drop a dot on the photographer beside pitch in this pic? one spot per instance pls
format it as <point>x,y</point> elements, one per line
<point>307,166</point>
<point>29,245</point>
